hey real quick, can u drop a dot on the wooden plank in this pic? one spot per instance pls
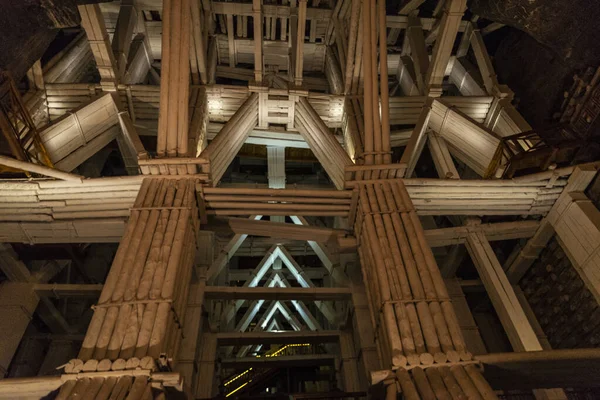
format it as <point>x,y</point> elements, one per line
<point>542,369</point>
<point>266,293</point>
<point>246,338</point>
<point>448,28</point>
<point>507,306</point>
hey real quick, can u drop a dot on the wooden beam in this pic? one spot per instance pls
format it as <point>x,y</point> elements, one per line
<point>58,290</point>
<point>484,63</point>
<point>442,159</point>
<point>493,27</point>
<point>507,306</point>
<point>92,22</point>
<point>493,232</point>
<point>409,6</point>
<point>578,181</point>
<point>299,68</point>
<point>448,28</point>
<point>517,326</point>
<point>123,36</point>
<point>246,338</point>
<point>279,362</point>
<point>231,41</point>
<point>576,368</point>
<point>578,231</point>
<point>418,51</point>
<point>258,43</point>
<point>265,293</point>
<point>283,230</point>
<point>415,145</point>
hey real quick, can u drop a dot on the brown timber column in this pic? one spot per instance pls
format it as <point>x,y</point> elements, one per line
<point>173,124</point>
<point>416,329</point>
<point>139,319</point>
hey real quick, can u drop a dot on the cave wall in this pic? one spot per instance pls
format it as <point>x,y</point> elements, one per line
<point>566,310</point>
<point>551,40</point>
<point>27,27</point>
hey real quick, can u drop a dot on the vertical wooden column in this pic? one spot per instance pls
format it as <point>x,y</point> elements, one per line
<point>258,25</point>
<point>411,310</point>
<point>173,119</point>
<point>140,312</point>
<point>301,32</point>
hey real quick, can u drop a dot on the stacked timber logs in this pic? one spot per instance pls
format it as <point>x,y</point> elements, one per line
<point>173,118</point>
<point>566,310</point>
<point>141,308</point>
<point>322,142</point>
<point>133,385</point>
<point>242,201</point>
<point>110,387</point>
<point>483,197</point>
<point>228,142</point>
<point>461,381</point>
<point>377,142</point>
<point>415,322</point>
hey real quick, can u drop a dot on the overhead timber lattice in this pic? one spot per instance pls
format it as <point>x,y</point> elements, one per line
<point>209,274</point>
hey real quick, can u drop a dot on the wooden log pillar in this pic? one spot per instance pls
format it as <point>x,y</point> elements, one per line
<point>173,120</point>
<point>141,310</point>
<point>18,302</point>
<point>411,311</point>
<point>258,42</point>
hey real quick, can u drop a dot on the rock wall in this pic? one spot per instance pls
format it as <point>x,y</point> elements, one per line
<point>27,27</point>
<point>551,40</point>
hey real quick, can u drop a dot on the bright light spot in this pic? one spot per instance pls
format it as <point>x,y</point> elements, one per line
<point>337,110</point>
<point>215,105</point>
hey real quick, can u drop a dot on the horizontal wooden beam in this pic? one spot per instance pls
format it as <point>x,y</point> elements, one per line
<point>61,290</point>
<point>493,232</point>
<point>283,230</point>
<point>279,362</point>
<point>246,338</point>
<point>542,369</point>
<point>266,293</point>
